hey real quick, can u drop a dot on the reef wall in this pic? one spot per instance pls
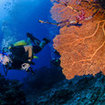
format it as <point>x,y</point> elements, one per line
<point>11,92</point>
<point>81,42</point>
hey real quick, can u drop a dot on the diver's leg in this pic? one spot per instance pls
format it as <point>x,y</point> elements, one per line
<point>36,41</point>
<point>39,47</point>
<point>29,41</point>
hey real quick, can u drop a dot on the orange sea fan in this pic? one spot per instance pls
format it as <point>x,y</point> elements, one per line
<point>82,49</point>
<point>75,11</point>
<point>82,55</point>
<point>69,10</point>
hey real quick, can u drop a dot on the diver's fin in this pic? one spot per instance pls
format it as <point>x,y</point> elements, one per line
<point>32,37</point>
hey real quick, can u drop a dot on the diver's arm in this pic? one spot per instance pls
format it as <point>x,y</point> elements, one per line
<point>29,50</point>
<point>25,66</point>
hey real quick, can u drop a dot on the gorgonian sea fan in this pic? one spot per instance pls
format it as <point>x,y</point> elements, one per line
<point>82,49</point>
<point>75,10</point>
<point>66,9</point>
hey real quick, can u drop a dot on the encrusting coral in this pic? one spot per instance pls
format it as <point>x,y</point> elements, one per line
<point>81,42</point>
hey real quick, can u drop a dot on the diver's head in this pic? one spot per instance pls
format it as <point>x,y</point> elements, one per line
<point>4,59</point>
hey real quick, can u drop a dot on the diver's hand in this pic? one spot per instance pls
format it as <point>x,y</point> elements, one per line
<point>25,66</point>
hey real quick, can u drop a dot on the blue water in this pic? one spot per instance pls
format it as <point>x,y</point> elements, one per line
<point>17,17</point>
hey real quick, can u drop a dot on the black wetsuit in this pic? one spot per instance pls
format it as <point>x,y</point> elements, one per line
<point>18,57</point>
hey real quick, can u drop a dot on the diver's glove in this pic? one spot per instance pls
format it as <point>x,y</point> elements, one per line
<point>25,66</point>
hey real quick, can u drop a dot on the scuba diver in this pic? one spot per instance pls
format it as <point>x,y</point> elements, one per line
<point>20,54</point>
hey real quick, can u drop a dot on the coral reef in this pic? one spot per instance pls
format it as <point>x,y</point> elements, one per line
<point>11,92</point>
<point>82,36</point>
<point>86,90</point>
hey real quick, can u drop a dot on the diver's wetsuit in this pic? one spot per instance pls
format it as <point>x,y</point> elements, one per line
<point>19,56</point>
